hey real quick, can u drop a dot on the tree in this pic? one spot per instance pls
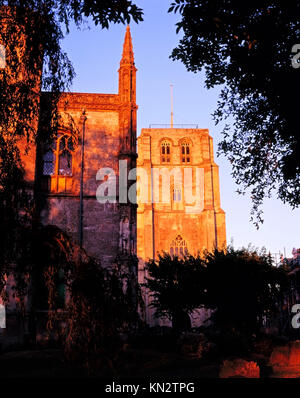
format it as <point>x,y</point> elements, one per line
<point>177,287</point>
<point>244,288</point>
<point>97,308</point>
<point>247,47</point>
<point>241,287</point>
<point>31,32</point>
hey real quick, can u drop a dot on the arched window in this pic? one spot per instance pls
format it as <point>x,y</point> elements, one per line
<point>185,152</point>
<point>178,247</point>
<point>48,163</point>
<point>57,159</point>
<point>165,152</point>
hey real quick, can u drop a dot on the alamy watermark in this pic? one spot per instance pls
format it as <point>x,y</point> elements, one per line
<point>2,57</point>
<point>296,318</point>
<point>2,317</point>
<point>296,57</point>
<point>181,187</point>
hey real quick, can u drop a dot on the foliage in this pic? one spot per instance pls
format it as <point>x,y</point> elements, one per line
<point>98,312</point>
<point>31,32</point>
<point>242,287</point>
<point>176,284</point>
<point>98,303</point>
<point>246,47</point>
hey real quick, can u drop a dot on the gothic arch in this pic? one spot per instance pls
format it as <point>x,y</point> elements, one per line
<point>170,140</point>
<point>165,150</point>
<point>185,147</point>
<point>178,247</point>
<point>186,140</point>
<point>58,154</point>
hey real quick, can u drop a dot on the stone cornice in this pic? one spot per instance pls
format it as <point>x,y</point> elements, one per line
<point>89,101</point>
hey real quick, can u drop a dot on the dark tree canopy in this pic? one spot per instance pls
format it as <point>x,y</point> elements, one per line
<point>176,285</point>
<point>242,287</point>
<point>247,47</point>
<point>31,32</point>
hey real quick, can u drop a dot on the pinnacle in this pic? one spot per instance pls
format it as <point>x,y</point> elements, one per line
<point>128,55</point>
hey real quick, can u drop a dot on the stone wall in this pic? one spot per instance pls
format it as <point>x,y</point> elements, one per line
<point>108,229</point>
<point>200,224</point>
<point>159,223</point>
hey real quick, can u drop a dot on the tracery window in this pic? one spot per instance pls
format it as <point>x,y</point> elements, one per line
<point>185,152</point>
<point>178,247</point>
<point>57,159</point>
<point>165,152</point>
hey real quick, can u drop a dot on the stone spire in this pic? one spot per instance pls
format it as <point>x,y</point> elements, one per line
<point>128,55</point>
<point>127,71</point>
<point>127,97</point>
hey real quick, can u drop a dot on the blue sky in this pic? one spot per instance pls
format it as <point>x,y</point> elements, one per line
<point>96,54</point>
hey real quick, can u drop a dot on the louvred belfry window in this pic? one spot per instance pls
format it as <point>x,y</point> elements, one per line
<point>185,152</point>
<point>165,152</point>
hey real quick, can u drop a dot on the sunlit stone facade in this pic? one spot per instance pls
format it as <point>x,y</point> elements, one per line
<point>96,131</point>
<point>177,215</point>
<point>107,230</point>
<point>190,218</point>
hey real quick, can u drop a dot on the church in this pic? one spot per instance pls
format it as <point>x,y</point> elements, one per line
<point>97,134</point>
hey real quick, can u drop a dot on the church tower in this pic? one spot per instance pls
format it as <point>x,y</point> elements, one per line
<point>179,197</point>
<point>179,202</point>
